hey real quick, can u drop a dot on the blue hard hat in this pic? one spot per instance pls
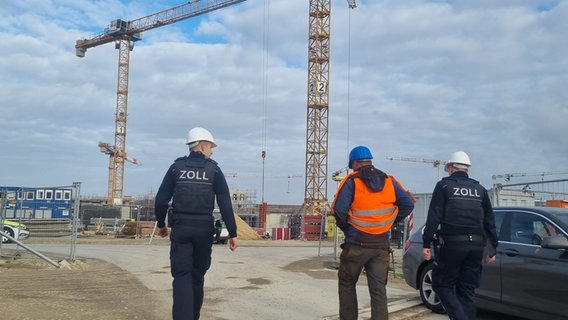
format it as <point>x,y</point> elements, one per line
<point>359,153</point>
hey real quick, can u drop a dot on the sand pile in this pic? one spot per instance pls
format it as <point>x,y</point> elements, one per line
<point>244,231</point>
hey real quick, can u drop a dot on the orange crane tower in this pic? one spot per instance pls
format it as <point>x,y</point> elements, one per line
<point>315,196</point>
<point>124,34</point>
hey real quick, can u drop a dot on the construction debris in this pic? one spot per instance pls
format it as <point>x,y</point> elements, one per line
<point>145,229</point>
<point>129,228</point>
<point>100,227</point>
<point>244,231</point>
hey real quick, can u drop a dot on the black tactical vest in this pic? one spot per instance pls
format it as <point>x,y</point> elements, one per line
<point>194,192</point>
<point>464,202</point>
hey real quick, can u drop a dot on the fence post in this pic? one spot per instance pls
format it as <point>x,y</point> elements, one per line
<point>2,213</point>
<point>75,221</point>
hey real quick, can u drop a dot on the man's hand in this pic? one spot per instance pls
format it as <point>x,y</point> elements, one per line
<point>163,232</point>
<point>490,259</point>
<point>426,253</point>
<point>233,244</point>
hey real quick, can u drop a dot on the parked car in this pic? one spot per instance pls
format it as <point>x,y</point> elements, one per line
<point>224,235</point>
<point>529,278</point>
<point>15,230</point>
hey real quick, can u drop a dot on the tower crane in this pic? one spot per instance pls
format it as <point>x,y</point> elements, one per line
<point>106,148</point>
<point>508,176</point>
<point>336,175</point>
<point>315,195</point>
<point>124,34</point>
<point>435,163</point>
<point>109,150</point>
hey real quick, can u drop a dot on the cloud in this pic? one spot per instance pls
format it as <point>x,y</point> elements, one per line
<point>416,79</point>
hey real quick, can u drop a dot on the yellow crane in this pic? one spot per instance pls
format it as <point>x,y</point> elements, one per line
<point>106,148</point>
<point>124,34</point>
<point>109,150</point>
<point>435,163</point>
<point>315,193</point>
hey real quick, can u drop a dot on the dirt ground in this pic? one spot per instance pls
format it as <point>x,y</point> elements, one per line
<point>87,289</point>
<point>92,289</point>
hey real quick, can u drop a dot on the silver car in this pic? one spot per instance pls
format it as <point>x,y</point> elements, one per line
<point>529,278</point>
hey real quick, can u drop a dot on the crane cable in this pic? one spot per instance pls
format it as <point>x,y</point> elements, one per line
<point>264,85</point>
<point>348,79</point>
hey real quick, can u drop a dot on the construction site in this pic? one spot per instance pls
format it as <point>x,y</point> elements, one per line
<point>94,286</point>
<point>89,252</point>
<point>59,210</point>
<point>312,212</point>
<point>309,220</point>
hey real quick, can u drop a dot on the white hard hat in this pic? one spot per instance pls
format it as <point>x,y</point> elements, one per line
<point>458,159</point>
<point>199,134</point>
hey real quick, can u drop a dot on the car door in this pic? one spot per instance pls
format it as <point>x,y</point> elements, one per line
<point>490,284</point>
<point>533,277</point>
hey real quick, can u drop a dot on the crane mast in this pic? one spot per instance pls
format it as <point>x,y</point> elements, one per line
<point>315,196</point>
<point>124,34</point>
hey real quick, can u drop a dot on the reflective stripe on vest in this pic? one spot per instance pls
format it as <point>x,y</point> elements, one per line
<point>372,212</point>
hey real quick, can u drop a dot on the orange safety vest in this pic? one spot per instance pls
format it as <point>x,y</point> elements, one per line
<point>371,212</point>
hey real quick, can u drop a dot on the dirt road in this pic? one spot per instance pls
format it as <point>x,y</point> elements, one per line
<point>280,280</point>
<point>89,289</point>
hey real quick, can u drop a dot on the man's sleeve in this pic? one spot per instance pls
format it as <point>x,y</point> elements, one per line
<point>343,203</point>
<point>404,202</point>
<point>224,202</point>
<point>163,197</point>
<point>489,221</point>
<point>435,214</point>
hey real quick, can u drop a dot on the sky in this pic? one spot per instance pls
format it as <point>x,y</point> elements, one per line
<point>411,79</point>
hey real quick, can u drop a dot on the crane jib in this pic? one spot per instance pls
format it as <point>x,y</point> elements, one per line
<point>119,29</point>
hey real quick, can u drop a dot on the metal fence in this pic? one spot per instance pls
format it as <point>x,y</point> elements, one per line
<point>21,225</point>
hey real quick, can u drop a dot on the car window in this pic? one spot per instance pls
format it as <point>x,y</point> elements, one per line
<point>563,217</point>
<point>530,228</point>
<point>499,217</point>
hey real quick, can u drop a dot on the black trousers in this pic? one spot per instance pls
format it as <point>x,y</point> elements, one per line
<point>190,258</point>
<point>455,277</point>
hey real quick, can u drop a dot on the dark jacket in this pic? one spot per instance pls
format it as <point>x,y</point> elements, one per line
<point>375,180</point>
<point>192,183</point>
<point>460,206</point>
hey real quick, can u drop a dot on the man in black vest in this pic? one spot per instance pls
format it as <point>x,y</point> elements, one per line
<point>461,208</point>
<point>192,183</point>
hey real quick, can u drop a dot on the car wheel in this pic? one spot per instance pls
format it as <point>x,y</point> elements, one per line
<point>427,294</point>
<point>10,232</point>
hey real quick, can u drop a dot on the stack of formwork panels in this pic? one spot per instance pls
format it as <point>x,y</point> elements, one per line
<point>312,227</point>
